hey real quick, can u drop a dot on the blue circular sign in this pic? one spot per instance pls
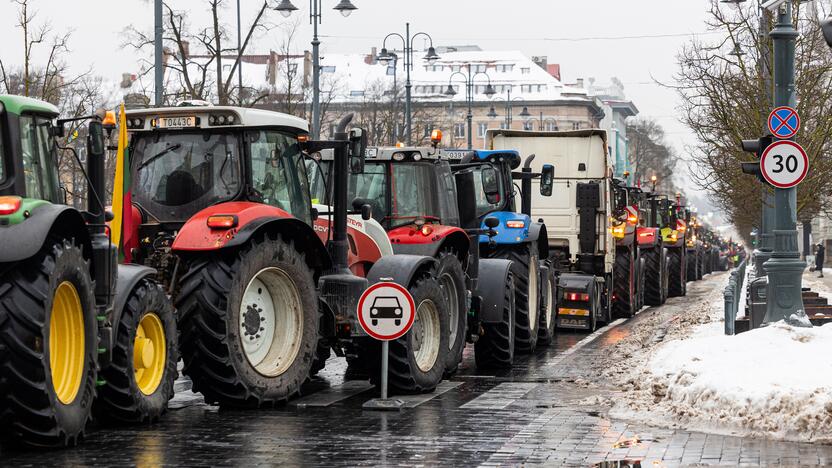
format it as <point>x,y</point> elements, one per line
<point>783,122</point>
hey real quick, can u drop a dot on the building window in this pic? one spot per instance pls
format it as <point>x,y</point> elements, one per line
<point>428,130</point>
<point>356,93</point>
<point>459,130</point>
<point>525,70</point>
<point>456,68</point>
<point>478,68</point>
<point>526,88</point>
<point>551,126</point>
<point>505,68</point>
<point>528,125</point>
<point>391,70</point>
<point>328,69</point>
<point>481,128</point>
<point>332,128</point>
<point>541,88</point>
<point>504,125</point>
<point>576,125</point>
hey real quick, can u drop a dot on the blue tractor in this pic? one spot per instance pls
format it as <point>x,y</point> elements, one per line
<point>518,238</point>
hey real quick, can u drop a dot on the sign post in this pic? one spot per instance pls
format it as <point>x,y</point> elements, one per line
<point>386,311</point>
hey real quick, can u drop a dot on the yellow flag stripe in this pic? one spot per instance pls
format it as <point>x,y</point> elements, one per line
<point>118,184</point>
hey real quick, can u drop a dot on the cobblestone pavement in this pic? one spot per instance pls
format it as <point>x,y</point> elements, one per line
<point>536,413</point>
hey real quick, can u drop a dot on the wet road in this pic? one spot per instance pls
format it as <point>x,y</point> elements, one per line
<point>534,413</point>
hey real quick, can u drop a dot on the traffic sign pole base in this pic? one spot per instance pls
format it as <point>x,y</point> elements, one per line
<point>384,404</point>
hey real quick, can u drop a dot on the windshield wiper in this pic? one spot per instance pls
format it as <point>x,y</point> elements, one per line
<point>160,154</point>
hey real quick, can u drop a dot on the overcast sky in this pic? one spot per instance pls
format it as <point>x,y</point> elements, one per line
<point>634,40</point>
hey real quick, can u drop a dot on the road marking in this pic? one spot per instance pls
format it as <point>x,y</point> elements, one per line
<point>412,401</point>
<point>333,395</point>
<point>501,396</point>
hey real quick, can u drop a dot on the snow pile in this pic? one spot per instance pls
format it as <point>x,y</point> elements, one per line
<point>774,382</point>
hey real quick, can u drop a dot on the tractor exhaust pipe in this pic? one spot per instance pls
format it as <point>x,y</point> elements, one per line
<point>339,247</point>
<point>526,187</point>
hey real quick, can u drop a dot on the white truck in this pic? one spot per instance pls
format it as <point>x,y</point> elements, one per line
<point>578,217</point>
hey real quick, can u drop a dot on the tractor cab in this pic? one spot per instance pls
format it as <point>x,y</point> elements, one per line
<point>186,159</point>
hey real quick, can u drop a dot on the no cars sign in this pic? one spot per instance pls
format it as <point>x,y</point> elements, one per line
<point>386,311</point>
<point>784,164</point>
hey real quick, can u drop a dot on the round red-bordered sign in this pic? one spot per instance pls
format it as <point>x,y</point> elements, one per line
<point>783,122</point>
<point>386,328</point>
<point>784,164</point>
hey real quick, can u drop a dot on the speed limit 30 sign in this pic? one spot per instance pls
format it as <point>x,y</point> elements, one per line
<point>784,164</point>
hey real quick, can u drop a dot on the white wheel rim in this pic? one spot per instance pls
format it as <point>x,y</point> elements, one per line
<point>450,292</point>
<point>533,293</point>
<point>271,322</point>
<point>426,342</point>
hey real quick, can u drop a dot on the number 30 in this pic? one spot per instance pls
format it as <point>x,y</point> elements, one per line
<point>791,163</point>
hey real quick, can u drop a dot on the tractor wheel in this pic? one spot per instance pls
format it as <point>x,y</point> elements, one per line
<point>322,353</point>
<point>624,304</point>
<point>452,281</point>
<point>691,265</point>
<point>525,268</point>
<point>139,380</point>
<point>665,274</point>
<point>417,360</point>
<point>249,324</point>
<point>546,330</point>
<point>676,273</point>
<point>654,276</point>
<point>495,348</point>
<point>49,339</point>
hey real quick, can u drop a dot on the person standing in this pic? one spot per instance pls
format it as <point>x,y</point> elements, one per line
<point>819,260</point>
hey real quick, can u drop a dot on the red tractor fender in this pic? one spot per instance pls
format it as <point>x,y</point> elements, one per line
<point>252,221</point>
<point>429,242</point>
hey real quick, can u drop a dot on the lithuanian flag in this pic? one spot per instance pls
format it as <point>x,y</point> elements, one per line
<point>122,229</point>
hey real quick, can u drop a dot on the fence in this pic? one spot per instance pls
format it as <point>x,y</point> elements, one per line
<point>732,296</point>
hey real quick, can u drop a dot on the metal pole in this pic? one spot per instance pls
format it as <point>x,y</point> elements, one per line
<point>766,238</point>
<point>159,71</point>
<point>395,130</point>
<point>508,108</point>
<point>408,61</point>
<point>385,351</point>
<point>315,16</point>
<point>469,94</point>
<point>784,269</point>
<point>239,55</point>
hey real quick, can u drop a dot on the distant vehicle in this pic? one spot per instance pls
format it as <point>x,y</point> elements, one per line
<point>386,307</point>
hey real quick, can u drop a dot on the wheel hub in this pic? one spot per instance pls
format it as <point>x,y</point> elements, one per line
<point>144,353</point>
<point>66,342</point>
<point>252,319</point>
<point>149,353</point>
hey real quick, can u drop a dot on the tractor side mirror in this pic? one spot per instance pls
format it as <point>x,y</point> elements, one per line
<point>358,148</point>
<point>547,180</point>
<point>95,139</point>
<point>491,222</point>
<point>826,28</point>
<point>490,185</point>
<point>366,212</point>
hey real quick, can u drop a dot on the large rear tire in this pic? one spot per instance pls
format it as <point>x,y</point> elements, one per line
<point>139,380</point>
<point>495,348</point>
<point>417,360</point>
<point>655,280</point>
<point>676,272</point>
<point>249,324</point>
<point>49,344</point>
<point>546,330</point>
<point>624,279</point>
<point>527,278</point>
<point>452,281</point>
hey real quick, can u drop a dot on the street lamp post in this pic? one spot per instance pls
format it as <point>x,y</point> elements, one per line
<point>431,57</point>
<point>345,7</point>
<point>158,71</point>
<point>509,118</point>
<point>784,269</point>
<point>470,78</point>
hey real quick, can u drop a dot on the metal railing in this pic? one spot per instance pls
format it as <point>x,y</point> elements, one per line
<point>732,296</point>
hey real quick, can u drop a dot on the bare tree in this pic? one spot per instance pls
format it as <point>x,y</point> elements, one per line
<point>649,153</point>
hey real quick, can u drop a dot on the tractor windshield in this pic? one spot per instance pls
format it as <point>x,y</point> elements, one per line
<point>413,193</point>
<point>3,160</point>
<point>177,174</point>
<point>318,172</point>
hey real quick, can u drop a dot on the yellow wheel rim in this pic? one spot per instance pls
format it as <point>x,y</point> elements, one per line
<point>66,342</point>
<point>149,353</point>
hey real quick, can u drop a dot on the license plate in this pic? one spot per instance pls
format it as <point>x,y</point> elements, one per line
<point>579,312</point>
<point>177,122</point>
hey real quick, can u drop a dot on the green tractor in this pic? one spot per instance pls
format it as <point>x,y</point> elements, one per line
<point>80,335</point>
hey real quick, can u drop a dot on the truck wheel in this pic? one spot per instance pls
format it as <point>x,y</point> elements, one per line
<point>495,348</point>
<point>452,281</point>
<point>546,330</point>
<point>676,273</point>
<point>624,284</point>
<point>249,324</point>
<point>527,278</point>
<point>49,338</point>
<point>417,360</point>
<point>139,380</point>
<point>654,277</point>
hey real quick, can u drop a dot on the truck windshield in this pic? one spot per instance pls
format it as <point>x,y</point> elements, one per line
<point>177,174</point>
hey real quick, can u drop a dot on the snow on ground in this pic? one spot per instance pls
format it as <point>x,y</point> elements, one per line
<point>773,382</point>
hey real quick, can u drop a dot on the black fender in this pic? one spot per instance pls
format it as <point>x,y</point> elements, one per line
<point>23,240</point>
<point>576,282</point>
<point>301,233</point>
<point>538,233</point>
<point>401,269</point>
<point>127,278</point>
<point>490,288</point>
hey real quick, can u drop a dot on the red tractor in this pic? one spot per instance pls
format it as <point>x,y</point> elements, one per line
<point>222,209</point>
<point>628,273</point>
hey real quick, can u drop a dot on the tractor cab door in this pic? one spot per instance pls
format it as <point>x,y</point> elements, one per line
<point>38,159</point>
